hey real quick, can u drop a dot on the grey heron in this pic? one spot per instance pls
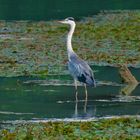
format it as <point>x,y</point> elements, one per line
<point>78,68</point>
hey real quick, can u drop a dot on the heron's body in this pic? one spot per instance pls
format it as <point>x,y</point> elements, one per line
<point>78,68</point>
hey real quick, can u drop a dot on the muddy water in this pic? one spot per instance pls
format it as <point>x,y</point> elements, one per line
<point>30,98</point>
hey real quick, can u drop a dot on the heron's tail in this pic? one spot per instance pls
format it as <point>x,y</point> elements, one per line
<point>91,82</point>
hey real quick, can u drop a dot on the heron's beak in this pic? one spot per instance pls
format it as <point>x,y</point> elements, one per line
<point>61,21</point>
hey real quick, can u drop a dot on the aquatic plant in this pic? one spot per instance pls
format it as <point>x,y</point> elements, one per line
<point>31,48</point>
<point>114,129</point>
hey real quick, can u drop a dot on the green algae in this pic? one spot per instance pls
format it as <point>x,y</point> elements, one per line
<point>29,47</point>
<point>117,128</point>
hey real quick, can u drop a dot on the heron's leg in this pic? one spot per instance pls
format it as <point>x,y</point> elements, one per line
<point>86,98</point>
<point>76,91</point>
<point>86,91</point>
<point>85,105</point>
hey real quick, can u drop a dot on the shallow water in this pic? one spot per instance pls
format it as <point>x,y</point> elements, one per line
<point>30,98</point>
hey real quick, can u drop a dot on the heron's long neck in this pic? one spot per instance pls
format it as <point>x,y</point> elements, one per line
<point>69,38</point>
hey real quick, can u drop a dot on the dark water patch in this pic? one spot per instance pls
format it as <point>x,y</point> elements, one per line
<point>23,100</point>
<point>137,91</point>
<point>107,73</point>
<point>46,9</point>
<point>136,72</point>
<point>53,97</point>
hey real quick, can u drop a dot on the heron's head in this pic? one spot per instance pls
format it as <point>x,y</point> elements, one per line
<point>69,20</point>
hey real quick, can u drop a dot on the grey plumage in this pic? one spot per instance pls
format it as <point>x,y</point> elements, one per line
<point>80,70</point>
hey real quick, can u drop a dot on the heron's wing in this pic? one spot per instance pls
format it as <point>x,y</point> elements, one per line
<point>81,70</point>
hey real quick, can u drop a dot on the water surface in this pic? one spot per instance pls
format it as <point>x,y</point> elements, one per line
<point>31,98</point>
<point>48,9</point>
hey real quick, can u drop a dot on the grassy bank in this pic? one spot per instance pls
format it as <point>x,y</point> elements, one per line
<point>38,48</point>
<point>104,129</point>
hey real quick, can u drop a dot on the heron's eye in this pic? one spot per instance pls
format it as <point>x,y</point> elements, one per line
<point>71,18</point>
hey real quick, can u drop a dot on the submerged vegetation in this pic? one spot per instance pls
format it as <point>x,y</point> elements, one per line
<point>38,48</point>
<point>113,129</point>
